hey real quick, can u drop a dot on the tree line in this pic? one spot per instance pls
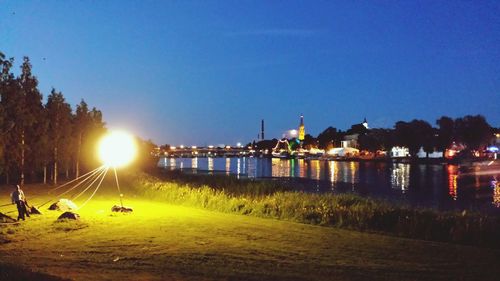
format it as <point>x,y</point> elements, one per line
<point>39,142</point>
<point>471,131</point>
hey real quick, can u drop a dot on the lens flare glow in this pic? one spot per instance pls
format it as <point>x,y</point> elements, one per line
<point>117,149</point>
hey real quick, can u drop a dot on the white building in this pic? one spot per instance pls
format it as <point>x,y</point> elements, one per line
<point>435,154</point>
<point>400,152</point>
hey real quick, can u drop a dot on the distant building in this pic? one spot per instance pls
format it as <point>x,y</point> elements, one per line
<point>262,129</point>
<point>352,136</point>
<point>365,123</point>
<point>400,152</point>
<point>435,154</point>
<point>302,129</point>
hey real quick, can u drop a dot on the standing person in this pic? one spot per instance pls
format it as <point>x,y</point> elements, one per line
<point>20,200</point>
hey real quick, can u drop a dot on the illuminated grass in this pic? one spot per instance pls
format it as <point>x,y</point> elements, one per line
<point>340,210</point>
<point>160,241</point>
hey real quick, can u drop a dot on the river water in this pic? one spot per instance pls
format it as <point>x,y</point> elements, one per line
<point>438,186</point>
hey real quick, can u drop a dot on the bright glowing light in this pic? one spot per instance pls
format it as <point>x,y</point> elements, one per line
<point>492,149</point>
<point>117,149</point>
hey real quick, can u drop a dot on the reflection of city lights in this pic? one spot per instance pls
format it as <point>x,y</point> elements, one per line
<point>238,168</point>
<point>210,164</point>
<point>194,163</point>
<point>496,195</point>
<point>333,171</point>
<point>452,181</point>
<point>353,168</point>
<point>302,168</point>
<point>228,166</point>
<point>317,168</point>
<point>280,167</point>
<point>400,176</point>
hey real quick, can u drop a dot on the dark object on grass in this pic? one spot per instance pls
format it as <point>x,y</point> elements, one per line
<point>69,216</point>
<point>63,205</point>
<point>6,219</point>
<point>34,211</point>
<point>120,209</point>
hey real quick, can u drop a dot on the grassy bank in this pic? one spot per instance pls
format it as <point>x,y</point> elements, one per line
<point>161,241</point>
<point>272,200</point>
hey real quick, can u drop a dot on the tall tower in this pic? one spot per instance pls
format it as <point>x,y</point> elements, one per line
<point>262,129</point>
<point>302,130</point>
<point>365,123</point>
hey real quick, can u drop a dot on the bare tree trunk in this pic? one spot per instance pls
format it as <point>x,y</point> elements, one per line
<point>7,178</point>
<point>55,165</point>
<point>67,172</point>
<point>22,158</point>
<point>44,174</point>
<point>77,168</point>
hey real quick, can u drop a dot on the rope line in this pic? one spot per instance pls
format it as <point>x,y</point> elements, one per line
<point>99,185</point>
<point>95,171</point>
<point>90,185</point>
<point>54,189</point>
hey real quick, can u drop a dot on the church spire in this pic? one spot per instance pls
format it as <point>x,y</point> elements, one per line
<point>302,130</point>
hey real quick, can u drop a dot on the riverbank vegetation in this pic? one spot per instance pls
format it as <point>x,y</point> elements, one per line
<point>350,211</point>
<point>161,241</point>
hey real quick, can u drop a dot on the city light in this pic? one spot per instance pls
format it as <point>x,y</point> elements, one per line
<point>492,149</point>
<point>117,149</point>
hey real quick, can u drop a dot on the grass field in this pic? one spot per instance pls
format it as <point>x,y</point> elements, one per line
<point>159,241</point>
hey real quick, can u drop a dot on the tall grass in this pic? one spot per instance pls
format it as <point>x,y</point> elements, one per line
<point>338,210</point>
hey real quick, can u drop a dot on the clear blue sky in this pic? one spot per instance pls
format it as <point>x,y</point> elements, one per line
<point>207,72</point>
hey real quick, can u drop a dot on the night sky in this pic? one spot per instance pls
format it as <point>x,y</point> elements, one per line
<point>207,72</point>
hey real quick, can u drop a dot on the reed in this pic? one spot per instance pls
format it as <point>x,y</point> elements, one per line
<point>336,210</point>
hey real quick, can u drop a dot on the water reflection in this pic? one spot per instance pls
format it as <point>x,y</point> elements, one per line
<point>400,176</point>
<point>439,186</point>
<point>315,170</point>
<point>333,171</point>
<point>238,168</point>
<point>495,184</point>
<point>302,168</point>
<point>210,164</point>
<point>228,166</point>
<point>452,181</point>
